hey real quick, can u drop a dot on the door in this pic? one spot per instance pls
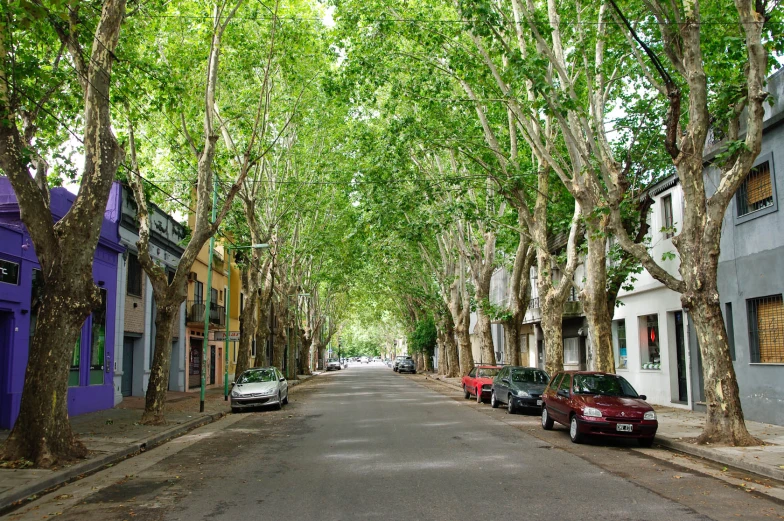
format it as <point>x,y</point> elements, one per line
<point>560,401</point>
<point>680,351</point>
<point>6,338</point>
<point>194,363</point>
<point>501,387</point>
<point>212,365</point>
<point>127,366</point>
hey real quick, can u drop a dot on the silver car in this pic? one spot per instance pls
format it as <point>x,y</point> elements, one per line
<point>259,386</point>
<point>333,364</point>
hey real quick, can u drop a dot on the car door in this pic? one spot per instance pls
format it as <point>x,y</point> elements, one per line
<point>501,386</point>
<point>283,384</point>
<point>471,381</point>
<point>561,398</point>
<point>548,396</point>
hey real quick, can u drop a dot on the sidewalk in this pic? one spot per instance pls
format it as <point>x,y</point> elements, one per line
<point>113,435</point>
<point>678,428</point>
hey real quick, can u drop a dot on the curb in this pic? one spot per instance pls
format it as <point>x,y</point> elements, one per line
<point>695,450</point>
<point>16,497</point>
<point>730,461</point>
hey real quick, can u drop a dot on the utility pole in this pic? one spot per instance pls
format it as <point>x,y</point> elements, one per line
<point>208,298</point>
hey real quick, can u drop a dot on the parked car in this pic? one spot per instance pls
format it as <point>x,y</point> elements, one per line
<point>593,403</point>
<point>259,386</point>
<point>407,366</point>
<point>365,360</point>
<point>399,359</point>
<point>333,364</point>
<point>519,387</point>
<point>479,382</point>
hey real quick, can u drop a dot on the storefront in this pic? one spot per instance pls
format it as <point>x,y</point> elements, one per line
<point>90,379</point>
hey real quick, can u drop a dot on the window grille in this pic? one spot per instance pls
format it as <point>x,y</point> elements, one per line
<point>134,276</point>
<point>756,192</point>
<point>766,329</point>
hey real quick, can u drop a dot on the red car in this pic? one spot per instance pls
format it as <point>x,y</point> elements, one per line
<point>593,403</point>
<point>479,382</point>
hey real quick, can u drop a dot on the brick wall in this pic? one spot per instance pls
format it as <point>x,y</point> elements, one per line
<point>134,316</point>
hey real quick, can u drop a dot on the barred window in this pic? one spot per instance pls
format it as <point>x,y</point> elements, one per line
<point>667,223</point>
<point>766,329</point>
<point>134,276</point>
<point>756,192</point>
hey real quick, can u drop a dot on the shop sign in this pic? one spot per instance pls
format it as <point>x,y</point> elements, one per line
<point>9,272</point>
<point>220,336</point>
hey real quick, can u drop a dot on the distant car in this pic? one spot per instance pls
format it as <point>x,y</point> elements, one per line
<point>406,366</point>
<point>479,382</point>
<point>603,404</point>
<point>333,364</point>
<point>519,387</point>
<point>259,386</point>
<point>377,359</point>
<point>399,359</point>
<point>365,360</point>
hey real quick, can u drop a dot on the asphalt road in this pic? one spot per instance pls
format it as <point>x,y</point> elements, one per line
<point>366,444</point>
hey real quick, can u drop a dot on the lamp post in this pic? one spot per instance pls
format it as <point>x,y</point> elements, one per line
<point>291,371</point>
<point>228,307</point>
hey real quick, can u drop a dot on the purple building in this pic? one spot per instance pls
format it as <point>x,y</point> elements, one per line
<point>91,376</point>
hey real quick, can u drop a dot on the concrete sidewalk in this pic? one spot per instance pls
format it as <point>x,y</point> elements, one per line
<point>678,429</point>
<point>113,435</point>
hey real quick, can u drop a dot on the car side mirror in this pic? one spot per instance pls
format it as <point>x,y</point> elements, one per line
<point>282,378</point>
<point>643,397</point>
<point>563,392</point>
<point>232,384</point>
<point>505,380</point>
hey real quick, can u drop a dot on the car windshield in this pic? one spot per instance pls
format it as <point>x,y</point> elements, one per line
<point>253,377</point>
<point>487,372</point>
<point>333,360</point>
<point>531,376</point>
<point>603,384</point>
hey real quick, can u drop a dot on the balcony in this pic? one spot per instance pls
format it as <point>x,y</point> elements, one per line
<point>195,313</point>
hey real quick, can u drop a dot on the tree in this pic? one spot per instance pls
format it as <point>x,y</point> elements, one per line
<point>65,249</point>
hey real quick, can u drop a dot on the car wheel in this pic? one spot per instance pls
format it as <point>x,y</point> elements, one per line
<point>479,395</point>
<point>235,410</point>
<point>466,394</point>
<point>547,422</point>
<point>645,442</point>
<point>574,431</point>
<point>510,405</point>
<point>286,399</point>
<point>493,401</point>
<point>279,405</point>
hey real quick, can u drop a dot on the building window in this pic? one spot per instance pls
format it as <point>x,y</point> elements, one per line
<point>620,344</point>
<point>98,342</point>
<point>650,354</point>
<point>198,292</point>
<point>134,276</point>
<point>571,350</point>
<point>253,349</point>
<point>730,325</point>
<point>756,192</point>
<point>667,222</point>
<point>766,329</point>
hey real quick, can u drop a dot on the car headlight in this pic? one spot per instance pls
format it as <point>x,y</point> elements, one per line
<point>650,415</point>
<point>593,412</point>
<point>236,394</point>
<point>523,394</point>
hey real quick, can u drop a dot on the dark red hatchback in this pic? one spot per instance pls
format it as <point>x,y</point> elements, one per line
<point>592,403</point>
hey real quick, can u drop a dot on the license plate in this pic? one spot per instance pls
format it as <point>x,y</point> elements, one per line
<point>624,427</point>
<point>538,402</point>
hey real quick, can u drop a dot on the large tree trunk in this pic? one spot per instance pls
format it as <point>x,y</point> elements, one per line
<point>466,361</point>
<point>595,298</point>
<point>42,432</point>
<point>482,330</point>
<point>304,353</point>
<point>452,354</point>
<point>262,336</point>
<point>65,250</point>
<point>248,321</point>
<point>552,323</point>
<point>166,315</point>
<point>279,341</point>
<point>443,366</point>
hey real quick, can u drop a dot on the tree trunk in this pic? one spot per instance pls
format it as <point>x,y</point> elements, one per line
<point>466,360</point>
<point>452,354</point>
<point>279,342</point>
<point>483,331</point>
<point>552,324</point>
<point>442,363</point>
<point>42,432</point>
<point>166,315</point>
<point>594,298</point>
<point>304,353</point>
<point>262,335</point>
<point>248,320</point>
<point>291,349</point>
<point>512,340</point>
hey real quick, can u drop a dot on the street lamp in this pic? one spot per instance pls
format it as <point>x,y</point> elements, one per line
<point>228,307</point>
<point>289,369</point>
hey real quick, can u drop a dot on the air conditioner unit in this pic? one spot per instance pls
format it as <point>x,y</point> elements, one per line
<point>192,276</point>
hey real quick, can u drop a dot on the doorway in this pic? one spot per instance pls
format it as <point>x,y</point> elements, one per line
<point>212,365</point>
<point>680,357</point>
<point>6,340</point>
<point>194,363</point>
<point>126,386</point>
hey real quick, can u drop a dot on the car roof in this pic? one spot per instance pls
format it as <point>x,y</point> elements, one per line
<point>485,366</point>
<point>589,373</point>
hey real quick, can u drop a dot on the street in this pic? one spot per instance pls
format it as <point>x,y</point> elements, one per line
<point>366,443</point>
